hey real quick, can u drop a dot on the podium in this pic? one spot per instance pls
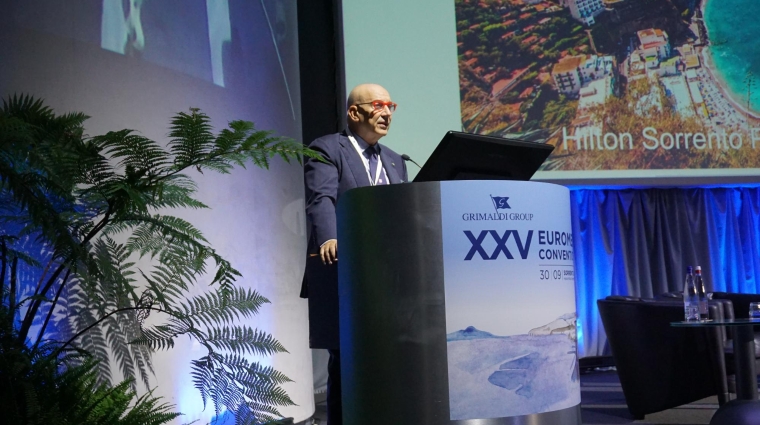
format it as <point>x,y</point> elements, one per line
<point>457,304</point>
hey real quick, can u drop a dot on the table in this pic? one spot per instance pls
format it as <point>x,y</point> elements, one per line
<point>746,408</point>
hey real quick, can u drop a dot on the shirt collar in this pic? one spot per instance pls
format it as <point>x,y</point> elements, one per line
<point>362,144</point>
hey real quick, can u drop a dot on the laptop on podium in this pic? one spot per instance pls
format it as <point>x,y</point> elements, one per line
<point>465,156</point>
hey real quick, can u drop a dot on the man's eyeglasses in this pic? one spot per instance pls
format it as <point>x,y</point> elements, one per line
<point>378,105</point>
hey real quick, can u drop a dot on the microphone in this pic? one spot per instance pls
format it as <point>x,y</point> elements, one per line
<point>406,157</point>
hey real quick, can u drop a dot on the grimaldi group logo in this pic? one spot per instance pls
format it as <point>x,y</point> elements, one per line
<point>501,212</point>
<point>500,202</point>
<point>515,243</point>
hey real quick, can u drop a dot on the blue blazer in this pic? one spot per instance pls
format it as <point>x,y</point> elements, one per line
<point>325,183</point>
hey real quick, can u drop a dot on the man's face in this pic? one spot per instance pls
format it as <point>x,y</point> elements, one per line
<point>368,122</point>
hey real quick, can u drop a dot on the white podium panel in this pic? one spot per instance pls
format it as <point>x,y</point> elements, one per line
<point>510,299</point>
<point>457,304</point>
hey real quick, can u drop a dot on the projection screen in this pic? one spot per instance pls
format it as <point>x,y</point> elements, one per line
<point>631,92</point>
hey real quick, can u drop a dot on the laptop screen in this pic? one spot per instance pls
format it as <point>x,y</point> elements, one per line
<point>465,156</point>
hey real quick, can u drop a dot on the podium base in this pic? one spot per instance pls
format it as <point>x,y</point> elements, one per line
<point>569,416</point>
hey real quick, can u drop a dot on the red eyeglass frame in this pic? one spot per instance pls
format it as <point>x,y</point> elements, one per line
<point>378,105</point>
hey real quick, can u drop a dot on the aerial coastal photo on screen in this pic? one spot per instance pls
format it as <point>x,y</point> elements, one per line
<point>615,84</point>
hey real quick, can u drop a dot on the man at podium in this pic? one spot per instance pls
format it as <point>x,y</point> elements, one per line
<point>353,158</point>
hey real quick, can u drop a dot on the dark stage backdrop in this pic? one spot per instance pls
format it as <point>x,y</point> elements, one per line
<point>639,242</point>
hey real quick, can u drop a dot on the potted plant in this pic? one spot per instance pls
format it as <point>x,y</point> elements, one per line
<point>78,212</point>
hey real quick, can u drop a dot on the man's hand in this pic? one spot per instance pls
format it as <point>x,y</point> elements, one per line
<point>329,251</point>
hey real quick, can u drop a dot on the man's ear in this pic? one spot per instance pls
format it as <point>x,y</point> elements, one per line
<point>353,113</point>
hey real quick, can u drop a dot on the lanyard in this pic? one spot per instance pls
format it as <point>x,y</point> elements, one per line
<point>365,161</point>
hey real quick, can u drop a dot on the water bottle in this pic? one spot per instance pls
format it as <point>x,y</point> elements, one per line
<point>690,298</point>
<point>701,293</point>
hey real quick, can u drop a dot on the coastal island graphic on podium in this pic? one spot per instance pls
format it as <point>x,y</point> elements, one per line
<point>519,374</point>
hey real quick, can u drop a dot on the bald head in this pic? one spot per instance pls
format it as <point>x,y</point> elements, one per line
<point>362,118</point>
<point>366,93</point>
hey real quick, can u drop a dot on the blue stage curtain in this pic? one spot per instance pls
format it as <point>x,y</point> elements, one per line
<point>638,242</point>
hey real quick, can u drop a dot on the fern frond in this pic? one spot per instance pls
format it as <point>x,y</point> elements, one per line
<point>93,170</point>
<point>175,191</point>
<point>260,146</point>
<point>230,383</point>
<point>142,355</point>
<point>26,107</point>
<point>249,371</point>
<point>149,231</point>
<point>119,345</point>
<point>95,344</point>
<point>230,138</point>
<point>256,414</point>
<point>113,271</point>
<point>195,146</point>
<point>267,373</point>
<point>191,138</point>
<point>83,401</point>
<point>159,337</point>
<point>243,340</point>
<point>149,411</point>
<point>165,284</point>
<point>177,269</point>
<point>225,276</point>
<point>216,307</point>
<point>268,394</point>
<point>29,192</point>
<point>202,375</point>
<point>134,151</point>
<point>87,300</point>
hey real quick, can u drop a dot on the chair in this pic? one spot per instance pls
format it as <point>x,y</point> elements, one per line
<point>737,306</point>
<point>734,305</point>
<point>740,302</point>
<point>660,366</point>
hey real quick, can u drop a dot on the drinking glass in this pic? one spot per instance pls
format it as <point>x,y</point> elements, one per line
<point>754,310</point>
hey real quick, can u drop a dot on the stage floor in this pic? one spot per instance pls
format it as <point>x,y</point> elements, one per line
<point>602,403</point>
